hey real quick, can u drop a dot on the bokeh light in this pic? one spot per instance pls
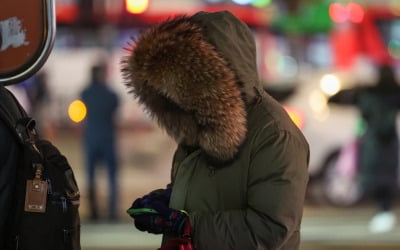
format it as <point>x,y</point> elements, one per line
<point>77,111</point>
<point>260,3</point>
<point>338,12</point>
<point>356,12</point>
<point>242,2</point>
<point>341,13</point>
<point>296,115</point>
<point>395,7</point>
<point>394,48</point>
<point>319,105</point>
<point>330,84</point>
<point>137,6</point>
<point>287,66</point>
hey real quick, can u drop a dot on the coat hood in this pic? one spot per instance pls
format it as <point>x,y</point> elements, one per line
<point>195,75</point>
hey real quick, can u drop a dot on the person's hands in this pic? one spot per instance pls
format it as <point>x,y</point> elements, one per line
<point>156,196</point>
<point>152,214</point>
<point>170,221</point>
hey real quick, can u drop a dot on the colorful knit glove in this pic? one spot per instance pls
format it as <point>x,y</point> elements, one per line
<point>152,214</point>
<point>158,196</point>
<point>167,223</point>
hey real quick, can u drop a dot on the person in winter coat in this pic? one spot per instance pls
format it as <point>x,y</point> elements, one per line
<point>378,159</point>
<point>9,150</point>
<point>240,171</point>
<point>99,138</point>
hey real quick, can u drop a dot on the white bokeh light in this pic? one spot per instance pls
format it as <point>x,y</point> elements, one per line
<point>242,2</point>
<point>330,84</point>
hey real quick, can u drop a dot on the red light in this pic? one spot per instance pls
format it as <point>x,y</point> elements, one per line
<point>356,12</point>
<point>338,13</point>
<point>66,13</point>
<point>341,13</point>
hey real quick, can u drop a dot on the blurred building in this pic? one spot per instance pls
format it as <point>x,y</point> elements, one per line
<point>308,49</point>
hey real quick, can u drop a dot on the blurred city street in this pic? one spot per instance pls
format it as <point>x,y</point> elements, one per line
<point>307,52</point>
<point>144,169</point>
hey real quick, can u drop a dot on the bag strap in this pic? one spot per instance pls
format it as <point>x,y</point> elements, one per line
<point>23,127</point>
<point>16,118</point>
<point>9,111</point>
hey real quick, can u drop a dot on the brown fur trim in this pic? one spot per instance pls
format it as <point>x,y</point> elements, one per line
<point>188,87</point>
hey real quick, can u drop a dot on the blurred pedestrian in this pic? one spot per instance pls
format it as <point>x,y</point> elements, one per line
<point>379,146</point>
<point>240,171</point>
<point>100,138</point>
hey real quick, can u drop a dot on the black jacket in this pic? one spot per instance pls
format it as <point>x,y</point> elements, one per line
<point>8,162</point>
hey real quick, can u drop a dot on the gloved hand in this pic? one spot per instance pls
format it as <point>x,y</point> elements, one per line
<point>171,221</point>
<point>161,219</point>
<point>158,196</point>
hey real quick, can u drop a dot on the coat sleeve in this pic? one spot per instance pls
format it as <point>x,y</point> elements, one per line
<point>346,97</point>
<point>8,161</point>
<point>277,180</point>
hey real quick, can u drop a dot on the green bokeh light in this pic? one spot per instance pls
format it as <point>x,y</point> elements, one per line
<point>260,3</point>
<point>394,48</point>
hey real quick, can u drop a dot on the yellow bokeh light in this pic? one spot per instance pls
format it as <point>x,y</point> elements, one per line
<point>395,7</point>
<point>137,6</point>
<point>77,111</point>
<point>318,103</point>
<point>296,115</point>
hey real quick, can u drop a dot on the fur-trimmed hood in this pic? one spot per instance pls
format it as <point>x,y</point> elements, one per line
<point>195,75</point>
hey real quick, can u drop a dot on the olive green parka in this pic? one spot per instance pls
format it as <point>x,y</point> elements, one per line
<point>241,167</point>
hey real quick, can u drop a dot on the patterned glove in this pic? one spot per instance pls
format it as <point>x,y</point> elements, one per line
<point>152,214</point>
<point>170,223</point>
<point>158,196</point>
